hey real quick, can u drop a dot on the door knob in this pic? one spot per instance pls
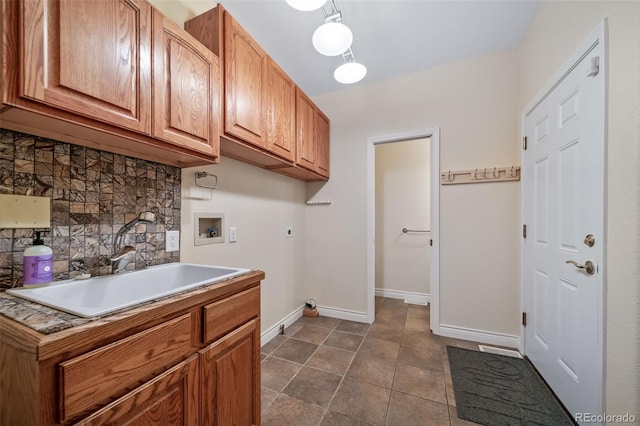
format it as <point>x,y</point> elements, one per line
<point>588,266</point>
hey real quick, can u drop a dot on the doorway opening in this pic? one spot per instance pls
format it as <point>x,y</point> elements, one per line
<point>402,220</point>
<point>396,259</point>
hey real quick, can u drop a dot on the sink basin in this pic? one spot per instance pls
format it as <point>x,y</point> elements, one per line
<point>101,295</point>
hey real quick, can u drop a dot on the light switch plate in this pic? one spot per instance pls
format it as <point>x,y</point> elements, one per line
<point>172,241</point>
<point>233,234</point>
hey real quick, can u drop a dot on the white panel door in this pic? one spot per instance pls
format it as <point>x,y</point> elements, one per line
<point>563,204</point>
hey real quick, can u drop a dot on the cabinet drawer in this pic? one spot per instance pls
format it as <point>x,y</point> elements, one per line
<point>225,315</point>
<point>97,377</point>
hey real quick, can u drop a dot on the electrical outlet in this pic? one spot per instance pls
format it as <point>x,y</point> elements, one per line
<point>172,240</point>
<point>233,234</point>
<point>288,231</point>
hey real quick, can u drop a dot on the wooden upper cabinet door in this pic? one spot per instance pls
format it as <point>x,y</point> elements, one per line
<point>280,112</point>
<point>230,378</point>
<point>245,67</point>
<point>322,144</point>
<point>186,88</point>
<point>89,57</point>
<point>305,131</point>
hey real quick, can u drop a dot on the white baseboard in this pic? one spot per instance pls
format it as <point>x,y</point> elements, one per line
<point>480,336</point>
<point>342,314</point>
<point>408,296</point>
<point>275,329</point>
<point>322,310</point>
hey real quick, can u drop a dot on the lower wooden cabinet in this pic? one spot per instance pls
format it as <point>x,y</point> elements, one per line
<point>169,399</point>
<point>230,379</point>
<point>159,364</point>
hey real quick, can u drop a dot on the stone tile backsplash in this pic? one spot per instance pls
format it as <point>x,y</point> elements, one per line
<point>93,193</point>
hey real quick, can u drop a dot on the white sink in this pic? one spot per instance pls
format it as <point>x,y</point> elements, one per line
<point>101,295</point>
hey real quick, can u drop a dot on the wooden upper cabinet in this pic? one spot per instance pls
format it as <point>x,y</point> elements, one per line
<point>89,57</point>
<point>305,131</point>
<point>186,79</point>
<point>244,78</point>
<point>280,112</point>
<point>322,144</point>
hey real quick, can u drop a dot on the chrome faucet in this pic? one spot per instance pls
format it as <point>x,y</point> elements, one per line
<point>123,255</point>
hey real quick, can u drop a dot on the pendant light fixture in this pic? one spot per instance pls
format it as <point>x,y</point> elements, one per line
<point>351,71</point>
<point>306,5</point>
<point>333,38</point>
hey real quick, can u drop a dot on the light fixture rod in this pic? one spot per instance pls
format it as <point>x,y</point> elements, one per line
<point>333,10</point>
<point>347,55</point>
<point>335,17</point>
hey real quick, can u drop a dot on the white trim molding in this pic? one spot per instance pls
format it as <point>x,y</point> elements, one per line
<point>343,314</point>
<point>408,296</point>
<point>274,330</point>
<point>325,311</point>
<point>434,296</point>
<point>480,336</point>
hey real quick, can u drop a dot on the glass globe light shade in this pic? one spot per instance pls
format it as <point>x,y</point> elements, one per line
<point>349,73</point>
<point>306,5</point>
<point>332,38</point>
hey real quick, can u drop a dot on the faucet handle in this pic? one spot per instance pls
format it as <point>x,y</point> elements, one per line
<point>126,251</point>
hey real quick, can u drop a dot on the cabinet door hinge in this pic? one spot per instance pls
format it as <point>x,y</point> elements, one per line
<point>524,143</point>
<point>524,231</point>
<point>524,319</point>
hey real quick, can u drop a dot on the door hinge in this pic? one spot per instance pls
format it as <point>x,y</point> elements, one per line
<point>524,319</point>
<point>524,143</point>
<point>524,231</point>
<point>431,243</point>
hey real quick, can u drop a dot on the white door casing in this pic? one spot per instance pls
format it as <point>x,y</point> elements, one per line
<point>563,202</point>
<point>434,297</point>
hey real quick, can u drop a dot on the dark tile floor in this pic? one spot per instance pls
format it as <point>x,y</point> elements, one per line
<point>325,371</point>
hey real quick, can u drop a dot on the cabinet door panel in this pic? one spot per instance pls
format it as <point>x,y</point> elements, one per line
<point>280,112</point>
<point>230,378</point>
<point>322,144</point>
<point>305,133</point>
<point>245,65</point>
<point>91,58</point>
<point>186,89</point>
<point>171,399</point>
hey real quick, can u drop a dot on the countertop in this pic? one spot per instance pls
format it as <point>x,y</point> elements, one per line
<point>46,320</point>
<point>43,319</point>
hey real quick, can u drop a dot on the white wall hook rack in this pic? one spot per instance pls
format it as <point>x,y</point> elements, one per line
<point>480,175</point>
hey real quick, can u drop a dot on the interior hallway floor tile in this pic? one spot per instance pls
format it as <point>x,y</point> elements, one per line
<point>324,371</point>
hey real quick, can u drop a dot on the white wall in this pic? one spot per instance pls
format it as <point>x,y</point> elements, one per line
<point>402,193</point>
<point>474,102</point>
<point>260,204</point>
<point>555,33</point>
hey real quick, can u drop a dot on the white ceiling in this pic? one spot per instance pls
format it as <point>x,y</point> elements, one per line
<point>391,37</point>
